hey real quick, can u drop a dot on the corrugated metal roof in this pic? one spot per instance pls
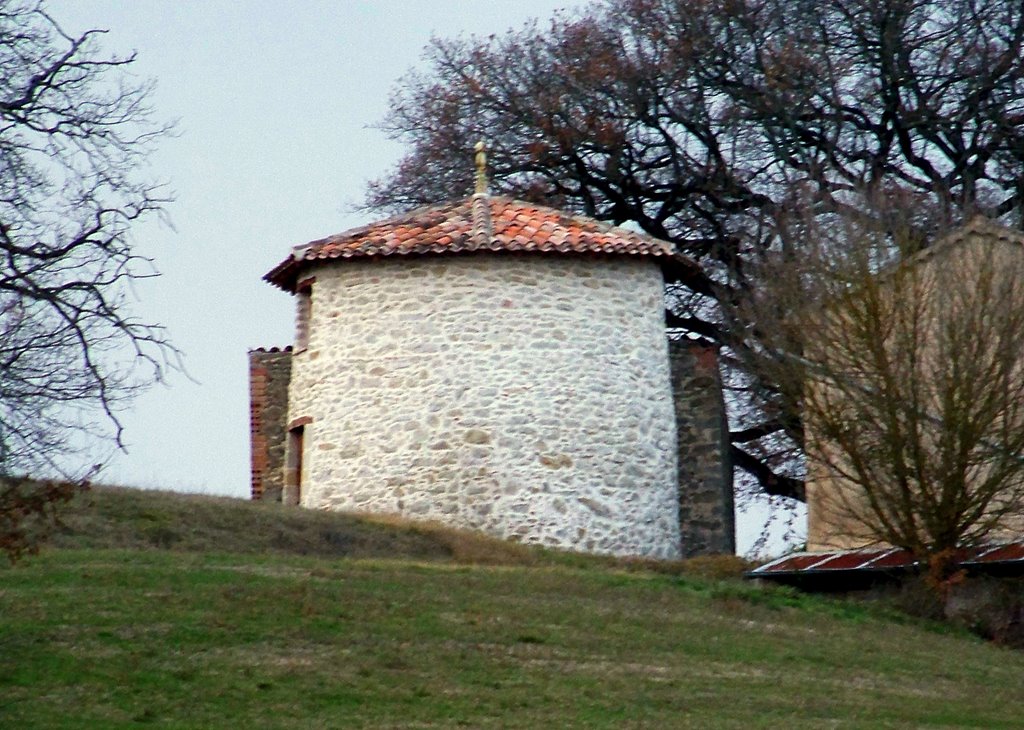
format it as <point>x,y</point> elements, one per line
<point>882,559</point>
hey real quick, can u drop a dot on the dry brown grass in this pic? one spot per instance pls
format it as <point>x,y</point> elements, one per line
<point>116,517</point>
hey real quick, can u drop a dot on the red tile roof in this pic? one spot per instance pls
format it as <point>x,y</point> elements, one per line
<point>479,223</point>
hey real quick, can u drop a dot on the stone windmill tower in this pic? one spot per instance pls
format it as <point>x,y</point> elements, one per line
<point>494,365</point>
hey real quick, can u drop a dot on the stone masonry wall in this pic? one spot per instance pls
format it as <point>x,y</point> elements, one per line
<point>706,516</point>
<point>269,374</point>
<point>526,396</point>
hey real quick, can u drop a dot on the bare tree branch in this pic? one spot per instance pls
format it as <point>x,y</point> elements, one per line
<point>74,136</point>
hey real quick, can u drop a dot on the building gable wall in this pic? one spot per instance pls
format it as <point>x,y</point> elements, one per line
<point>837,509</point>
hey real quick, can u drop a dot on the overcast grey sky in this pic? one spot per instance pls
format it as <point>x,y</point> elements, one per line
<point>274,103</point>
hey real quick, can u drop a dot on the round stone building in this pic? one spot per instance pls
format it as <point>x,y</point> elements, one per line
<point>489,364</point>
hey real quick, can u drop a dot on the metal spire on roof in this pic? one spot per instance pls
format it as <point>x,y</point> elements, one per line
<point>481,168</point>
<point>483,230</point>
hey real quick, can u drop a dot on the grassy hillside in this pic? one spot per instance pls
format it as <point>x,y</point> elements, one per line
<point>108,517</point>
<point>196,612</point>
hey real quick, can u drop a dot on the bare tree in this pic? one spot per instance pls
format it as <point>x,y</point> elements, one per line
<point>908,368</point>
<point>695,121</point>
<point>75,132</point>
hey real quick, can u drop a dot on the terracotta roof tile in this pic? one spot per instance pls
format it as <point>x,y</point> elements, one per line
<point>479,223</point>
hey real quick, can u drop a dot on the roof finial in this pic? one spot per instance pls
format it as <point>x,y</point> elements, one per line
<point>481,168</point>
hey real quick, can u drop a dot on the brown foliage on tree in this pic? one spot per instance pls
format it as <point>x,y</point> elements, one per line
<point>74,135</point>
<point>29,510</point>
<point>696,121</point>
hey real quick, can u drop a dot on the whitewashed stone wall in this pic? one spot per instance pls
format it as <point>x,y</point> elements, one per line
<point>527,396</point>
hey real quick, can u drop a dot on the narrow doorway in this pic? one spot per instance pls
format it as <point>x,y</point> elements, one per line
<point>293,466</point>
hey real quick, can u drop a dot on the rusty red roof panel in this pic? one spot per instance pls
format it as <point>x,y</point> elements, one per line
<point>850,560</point>
<point>891,559</point>
<point>1011,553</point>
<point>479,223</point>
<point>792,563</point>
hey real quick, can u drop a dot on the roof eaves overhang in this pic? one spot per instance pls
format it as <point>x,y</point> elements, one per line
<point>286,273</point>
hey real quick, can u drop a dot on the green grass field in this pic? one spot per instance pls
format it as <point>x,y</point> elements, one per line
<point>184,612</point>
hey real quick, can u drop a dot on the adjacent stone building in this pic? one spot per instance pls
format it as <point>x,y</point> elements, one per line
<point>499,366</point>
<point>937,289</point>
